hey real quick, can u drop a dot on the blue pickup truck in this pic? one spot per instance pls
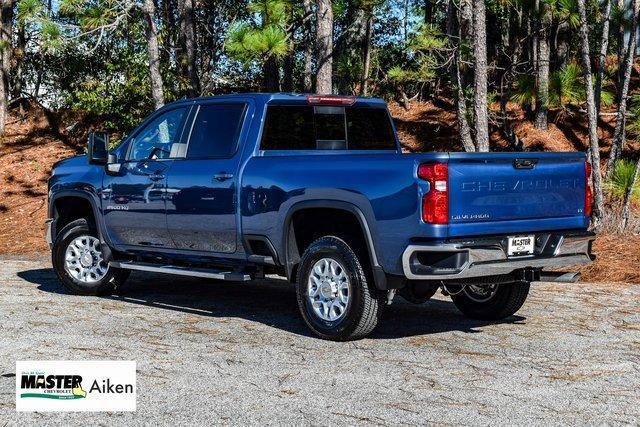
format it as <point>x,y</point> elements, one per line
<point>316,189</point>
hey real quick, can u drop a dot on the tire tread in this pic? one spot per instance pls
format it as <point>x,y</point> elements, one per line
<point>113,279</point>
<point>372,303</point>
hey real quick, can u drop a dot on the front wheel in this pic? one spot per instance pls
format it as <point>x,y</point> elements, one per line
<point>491,301</point>
<point>77,260</point>
<point>335,298</point>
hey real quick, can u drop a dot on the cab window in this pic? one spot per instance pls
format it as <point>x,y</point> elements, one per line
<point>155,140</point>
<point>216,130</point>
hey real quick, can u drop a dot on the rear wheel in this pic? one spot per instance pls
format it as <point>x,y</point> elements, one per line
<point>491,301</point>
<point>335,297</point>
<point>78,261</point>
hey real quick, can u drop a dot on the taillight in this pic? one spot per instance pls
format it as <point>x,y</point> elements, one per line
<point>588,193</point>
<point>435,204</point>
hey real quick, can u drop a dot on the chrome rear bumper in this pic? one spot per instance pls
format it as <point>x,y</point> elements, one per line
<point>478,258</point>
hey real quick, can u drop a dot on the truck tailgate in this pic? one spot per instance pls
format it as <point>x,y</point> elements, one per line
<point>516,191</point>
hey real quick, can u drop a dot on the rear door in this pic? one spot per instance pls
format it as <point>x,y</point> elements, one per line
<point>202,187</point>
<point>501,191</point>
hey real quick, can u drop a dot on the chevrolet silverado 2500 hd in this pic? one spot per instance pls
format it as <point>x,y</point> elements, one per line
<point>316,188</point>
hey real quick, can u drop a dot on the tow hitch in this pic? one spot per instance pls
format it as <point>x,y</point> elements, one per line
<point>537,275</point>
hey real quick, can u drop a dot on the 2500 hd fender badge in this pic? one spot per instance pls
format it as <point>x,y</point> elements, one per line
<point>117,208</point>
<point>75,386</point>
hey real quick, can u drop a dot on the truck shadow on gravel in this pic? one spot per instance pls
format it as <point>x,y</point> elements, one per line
<point>271,302</point>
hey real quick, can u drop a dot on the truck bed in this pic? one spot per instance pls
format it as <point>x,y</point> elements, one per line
<point>487,194</point>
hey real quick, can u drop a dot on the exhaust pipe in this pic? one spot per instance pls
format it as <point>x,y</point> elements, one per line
<point>558,276</point>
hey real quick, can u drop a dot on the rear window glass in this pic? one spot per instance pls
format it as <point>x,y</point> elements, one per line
<point>216,130</point>
<point>289,128</point>
<point>330,128</point>
<point>327,128</point>
<point>369,129</point>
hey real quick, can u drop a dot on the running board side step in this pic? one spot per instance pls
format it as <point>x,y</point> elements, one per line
<point>183,271</point>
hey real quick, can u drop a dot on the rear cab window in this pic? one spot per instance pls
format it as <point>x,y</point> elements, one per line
<point>323,127</point>
<point>215,132</point>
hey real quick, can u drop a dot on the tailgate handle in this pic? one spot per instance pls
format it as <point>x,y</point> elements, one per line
<point>525,163</point>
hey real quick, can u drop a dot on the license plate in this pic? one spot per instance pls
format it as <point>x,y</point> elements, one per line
<point>520,245</point>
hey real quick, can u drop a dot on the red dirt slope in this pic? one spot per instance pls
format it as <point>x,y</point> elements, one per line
<point>27,151</point>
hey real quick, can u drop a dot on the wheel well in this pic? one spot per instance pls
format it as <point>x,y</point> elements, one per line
<point>309,224</point>
<point>69,208</point>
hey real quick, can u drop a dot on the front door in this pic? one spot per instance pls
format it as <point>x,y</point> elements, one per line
<point>202,188</point>
<point>133,200</point>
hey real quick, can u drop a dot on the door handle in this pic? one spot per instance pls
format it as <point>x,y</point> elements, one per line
<point>156,177</point>
<point>222,176</point>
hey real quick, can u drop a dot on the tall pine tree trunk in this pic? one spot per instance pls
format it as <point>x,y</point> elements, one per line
<point>428,11</point>
<point>40,59</point>
<point>604,47</point>
<point>366,54</point>
<point>562,44</point>
<point>289,62</point>
<point>454,32</point>
<point>480,75</point>
<point>509,64</point>
<point>542,65</point>
<point>167,53</point>
<point>617,144</point>
<point>324,36</point>
<point>19,53</point>
<point>287,69</point>
<point>271,75</point>
<point>6,31</point>
<point>149,11</point>
<point>621,31</point>
<point>187,28</point>
<point>308,48</point>
<point>598,208</point>
<point>466,20</point>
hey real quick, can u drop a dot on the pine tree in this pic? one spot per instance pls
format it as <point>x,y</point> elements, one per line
<point>263,40</point>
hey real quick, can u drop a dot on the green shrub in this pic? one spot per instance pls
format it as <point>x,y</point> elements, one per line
<point>622,179</point>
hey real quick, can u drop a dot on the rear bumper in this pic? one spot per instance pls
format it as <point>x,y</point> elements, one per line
<point>478,257</point>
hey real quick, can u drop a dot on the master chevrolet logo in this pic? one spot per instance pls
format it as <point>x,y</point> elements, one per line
<point>53,386</point>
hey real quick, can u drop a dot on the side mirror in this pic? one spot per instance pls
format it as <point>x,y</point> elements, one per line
<point>113,167</point>
<point>98,148</point>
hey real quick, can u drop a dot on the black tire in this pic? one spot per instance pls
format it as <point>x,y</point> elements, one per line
<point>505,302</point>
<point>113,278</point>
<point>365,302</point>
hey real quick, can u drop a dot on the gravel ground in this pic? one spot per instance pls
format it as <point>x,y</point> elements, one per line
<point>228,353</point>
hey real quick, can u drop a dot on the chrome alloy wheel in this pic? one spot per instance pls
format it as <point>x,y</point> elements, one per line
<point>479,293</point>
<point>83,260</point>
<point>328,289</point>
